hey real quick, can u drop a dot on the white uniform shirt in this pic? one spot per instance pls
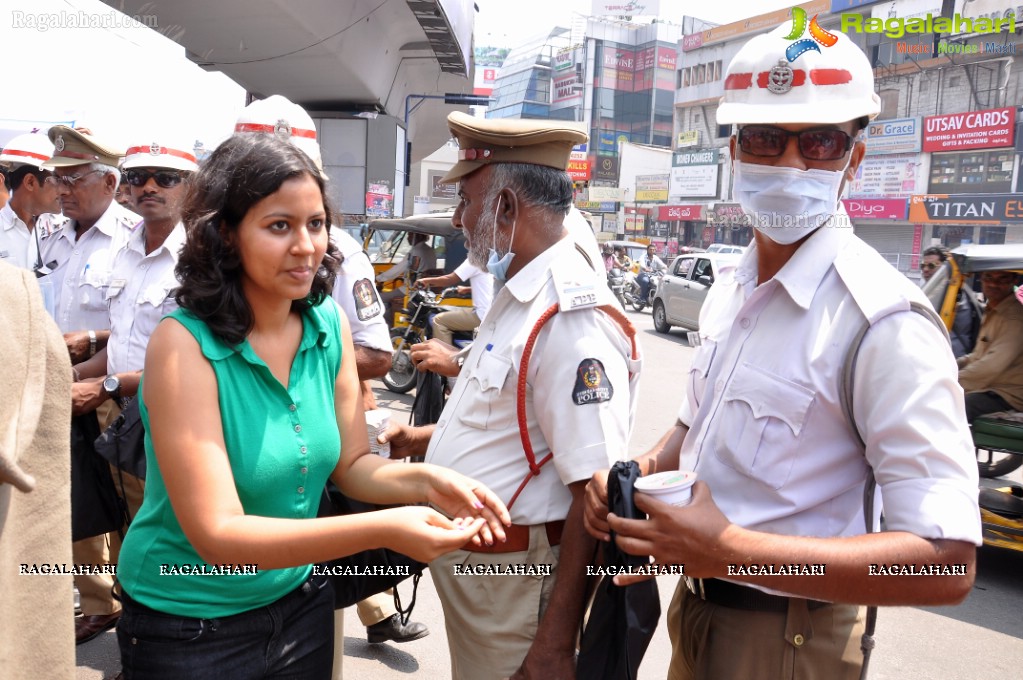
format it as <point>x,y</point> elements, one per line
<point>18,243</point>
<point>84,268</point>
<point>580,398</point>
<point>767,430</point>
<point>355,293</point>
<point>482,284</point>
<point>139,296</point>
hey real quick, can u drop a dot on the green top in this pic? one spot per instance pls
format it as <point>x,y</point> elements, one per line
<point>282,445</point>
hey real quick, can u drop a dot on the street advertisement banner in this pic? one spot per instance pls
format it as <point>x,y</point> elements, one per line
<point>986,129</point>
<point>628,8</point>
<point>651,188</point>
<point>605,194</point>
<point>606,168</point>
<point>901,135</point>
<point>579,171</point>
<point>694,174</point>
<point>888,176</point>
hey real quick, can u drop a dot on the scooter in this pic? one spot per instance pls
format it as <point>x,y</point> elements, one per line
<point>616,282</point>
<point>423,305</point>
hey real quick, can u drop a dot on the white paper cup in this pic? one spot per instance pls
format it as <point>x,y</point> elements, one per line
<point>376,423</point>
<point>674,487</point>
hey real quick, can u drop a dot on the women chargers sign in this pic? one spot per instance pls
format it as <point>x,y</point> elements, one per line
<point>970,130</point>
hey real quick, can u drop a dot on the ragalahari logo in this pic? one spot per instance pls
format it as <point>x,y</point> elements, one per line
<point>802,45</point>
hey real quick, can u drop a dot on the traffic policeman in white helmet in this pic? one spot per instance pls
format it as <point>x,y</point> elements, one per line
<point>781,465</point>
<point>33,201</point>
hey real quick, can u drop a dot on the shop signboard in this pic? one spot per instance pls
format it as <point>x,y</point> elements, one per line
<point>680,213</point>
<point>888,176</point>
<point>901,135</point>
<point>986,129</point>
<point>994,209</point>
<point>875,208</point>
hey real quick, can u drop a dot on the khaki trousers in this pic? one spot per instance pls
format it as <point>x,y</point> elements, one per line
<point>446,323</point>
<point>491,620</point>
<point>94,589</point>
<point>711,642</point>
<point>376,608</point>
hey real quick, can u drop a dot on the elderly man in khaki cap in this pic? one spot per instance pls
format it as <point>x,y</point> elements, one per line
<point>578,389</point>
<point>79,257</point>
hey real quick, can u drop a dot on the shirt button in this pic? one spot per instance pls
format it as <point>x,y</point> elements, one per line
<point>298,428</point>
<point>301,489</point>
<point>719,385</point>
<point>441,423</point>
<point>292,407</point>
<point>303,449</point>
<point>744,323</point>
<point>798,640</point>
<point>305,470</point>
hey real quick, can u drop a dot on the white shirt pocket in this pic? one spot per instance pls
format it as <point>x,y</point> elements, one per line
<point>484,408</point>
<point>759,424</point>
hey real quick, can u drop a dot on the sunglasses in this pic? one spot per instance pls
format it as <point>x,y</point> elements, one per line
<point>928,265</point>
<point>165,179</point>
<point>814,145</point>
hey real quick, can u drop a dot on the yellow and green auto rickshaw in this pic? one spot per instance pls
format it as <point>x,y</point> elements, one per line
<point>997,438</point>
<point>410,320</point>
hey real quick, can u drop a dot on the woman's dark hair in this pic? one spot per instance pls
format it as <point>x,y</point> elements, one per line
<point>241,172</point>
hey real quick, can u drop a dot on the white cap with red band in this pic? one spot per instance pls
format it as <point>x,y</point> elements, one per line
<point>160,154</point>
<point>279,116</point>
<point>32,148</point>
<point>775,80</point>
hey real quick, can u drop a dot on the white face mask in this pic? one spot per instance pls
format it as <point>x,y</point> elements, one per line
<point>498,264</point>
<point>786,204</point>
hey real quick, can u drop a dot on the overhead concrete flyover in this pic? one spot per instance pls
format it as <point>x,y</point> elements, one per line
<point>338,59</point>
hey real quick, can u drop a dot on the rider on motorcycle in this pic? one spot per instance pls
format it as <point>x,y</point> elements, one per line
<point>648,264</point>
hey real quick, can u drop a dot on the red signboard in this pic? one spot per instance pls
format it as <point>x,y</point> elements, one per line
<point>876,208</point>
<point>675,213</point>
<point>666,58</point>
<point>970,130</point>
<point>693,41</point>
<point>579,171</point>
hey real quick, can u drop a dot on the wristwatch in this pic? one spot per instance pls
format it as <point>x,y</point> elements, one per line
<point>460,360</point>
<point>112,386</point>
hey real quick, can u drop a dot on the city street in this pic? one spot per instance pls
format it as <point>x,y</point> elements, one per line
<point>977,640</point>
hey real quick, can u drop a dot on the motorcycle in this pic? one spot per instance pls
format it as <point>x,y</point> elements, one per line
<point>423,305</point>
<point>633,297</point>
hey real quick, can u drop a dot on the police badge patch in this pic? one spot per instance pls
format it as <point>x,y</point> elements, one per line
<point>591,383</point>
<point>367,304</point>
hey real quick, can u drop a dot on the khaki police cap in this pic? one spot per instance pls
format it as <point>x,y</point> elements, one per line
<point>71,147</point>
<point>483,141</point>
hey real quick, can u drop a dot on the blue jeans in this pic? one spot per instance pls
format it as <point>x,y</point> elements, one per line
<point>290,638</point>
<point>644,285</point>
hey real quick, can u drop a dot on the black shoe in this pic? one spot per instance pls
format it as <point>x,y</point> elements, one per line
<point>392,629</point>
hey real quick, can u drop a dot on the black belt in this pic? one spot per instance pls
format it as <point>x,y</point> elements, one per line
<point>728,594</point>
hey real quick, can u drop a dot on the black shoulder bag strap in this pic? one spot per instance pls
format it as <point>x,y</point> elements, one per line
<point>867,642</point>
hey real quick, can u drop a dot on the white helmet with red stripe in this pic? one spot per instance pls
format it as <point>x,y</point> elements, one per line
<point>162,153</point>
<point>32,148</point>
<point>799,73</point>
<point>279,116</point>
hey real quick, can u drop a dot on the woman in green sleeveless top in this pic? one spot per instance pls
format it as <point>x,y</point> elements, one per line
<point>251,402</point>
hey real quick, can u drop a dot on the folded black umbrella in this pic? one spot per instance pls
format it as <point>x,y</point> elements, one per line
<point>622,619</point>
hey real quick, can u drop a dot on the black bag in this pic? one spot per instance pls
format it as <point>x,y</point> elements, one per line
<point>622,620</point>
<point>95,506</point>
<point>123,442</point>
<point>351,589</point>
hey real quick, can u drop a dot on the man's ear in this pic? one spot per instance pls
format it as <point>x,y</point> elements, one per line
<point>859,150</point>
<point>110,182</point>
<point>508,209</point>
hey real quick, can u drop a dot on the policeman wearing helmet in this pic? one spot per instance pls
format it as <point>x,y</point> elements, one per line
<point>778,557</point>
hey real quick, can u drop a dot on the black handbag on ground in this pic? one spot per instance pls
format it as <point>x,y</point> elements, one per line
<point>123,442</point>
<point>95,506</point>
<point>622,619</point>
<point>392,567</point>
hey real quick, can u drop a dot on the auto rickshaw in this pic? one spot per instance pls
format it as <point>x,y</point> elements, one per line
<point>997,438</point>
<point>449,244</point>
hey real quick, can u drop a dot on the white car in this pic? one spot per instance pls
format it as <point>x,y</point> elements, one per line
<point>684,288</point>
<point>725,248</point>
